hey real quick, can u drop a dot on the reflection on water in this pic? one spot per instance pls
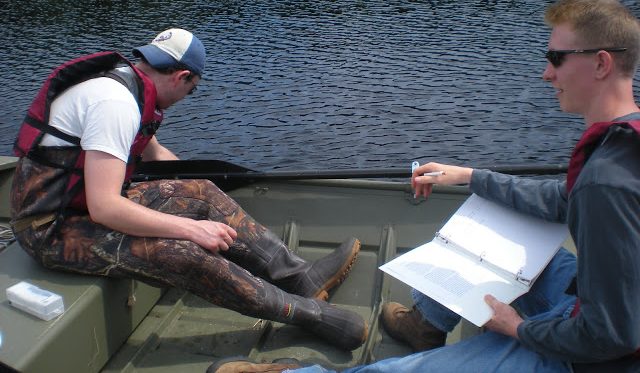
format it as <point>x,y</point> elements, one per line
<point>304,84</point>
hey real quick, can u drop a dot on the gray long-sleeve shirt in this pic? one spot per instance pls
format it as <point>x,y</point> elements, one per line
<point>603,214</point>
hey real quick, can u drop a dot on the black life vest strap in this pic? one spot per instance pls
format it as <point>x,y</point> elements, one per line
<point>51,130</point>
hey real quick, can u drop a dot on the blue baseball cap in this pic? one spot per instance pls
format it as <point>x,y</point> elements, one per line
<point>172,48</point>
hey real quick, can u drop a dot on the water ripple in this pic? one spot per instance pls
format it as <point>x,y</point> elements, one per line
<point>304,84</point>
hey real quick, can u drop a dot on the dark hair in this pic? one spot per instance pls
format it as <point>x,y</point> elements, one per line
<point>172,69</point>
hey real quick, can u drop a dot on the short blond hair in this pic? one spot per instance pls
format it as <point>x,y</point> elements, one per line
<point>601,24</point>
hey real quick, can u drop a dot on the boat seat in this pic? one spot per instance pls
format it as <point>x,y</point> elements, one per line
<point>100,314</point>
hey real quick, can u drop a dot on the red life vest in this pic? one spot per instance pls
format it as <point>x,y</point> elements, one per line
<point>36,122</point>
<point>585,146</point>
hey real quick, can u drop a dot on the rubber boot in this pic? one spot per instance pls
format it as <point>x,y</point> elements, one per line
<point>262,253</point>
<point>224,283</point>
<point>319,277</point>
<point>342,328</point>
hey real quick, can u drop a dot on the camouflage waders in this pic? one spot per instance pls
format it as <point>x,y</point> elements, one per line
<point>232,279</point>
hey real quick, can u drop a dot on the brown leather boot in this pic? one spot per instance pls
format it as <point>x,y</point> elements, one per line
<point>407,325</point>
<point>241,365</point>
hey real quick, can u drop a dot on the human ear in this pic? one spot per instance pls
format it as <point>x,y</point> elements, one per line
<point>184,74</point>
<point>604,64</point>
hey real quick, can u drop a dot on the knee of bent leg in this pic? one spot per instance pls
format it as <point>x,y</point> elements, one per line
<point>195,194</point>
<point>189,188</point>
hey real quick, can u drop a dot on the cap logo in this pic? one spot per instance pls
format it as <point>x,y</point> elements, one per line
<point>163,37</point>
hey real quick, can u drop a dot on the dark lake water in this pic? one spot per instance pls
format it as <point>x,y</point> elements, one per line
<point>321,84</point>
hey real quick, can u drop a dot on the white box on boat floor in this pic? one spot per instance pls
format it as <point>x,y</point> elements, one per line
<point>35,301</point>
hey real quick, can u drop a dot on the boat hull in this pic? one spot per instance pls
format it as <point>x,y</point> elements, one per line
<point>121,325</point>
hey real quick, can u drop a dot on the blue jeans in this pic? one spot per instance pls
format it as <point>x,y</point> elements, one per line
<point>489,351</point>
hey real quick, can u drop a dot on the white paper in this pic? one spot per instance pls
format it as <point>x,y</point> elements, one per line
<point>504,237</point>
<point>488,246</point>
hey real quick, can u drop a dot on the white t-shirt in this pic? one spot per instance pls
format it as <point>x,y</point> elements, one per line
<point>102,112</point>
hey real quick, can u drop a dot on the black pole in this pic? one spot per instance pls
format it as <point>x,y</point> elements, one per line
<point>220,170</point>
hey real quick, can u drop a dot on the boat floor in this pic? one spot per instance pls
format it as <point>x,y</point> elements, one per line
<point>185,333</point>
<point>115,325</point>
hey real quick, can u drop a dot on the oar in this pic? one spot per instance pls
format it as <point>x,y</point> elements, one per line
<point>228,176</point>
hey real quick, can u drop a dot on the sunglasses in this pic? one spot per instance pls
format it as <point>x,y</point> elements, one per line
<point>557,57</point>
<point>189,78</point>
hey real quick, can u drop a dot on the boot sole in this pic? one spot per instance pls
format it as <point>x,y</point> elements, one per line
<point>284,363</point>
<point>339,277</point>
<point>213,368</point>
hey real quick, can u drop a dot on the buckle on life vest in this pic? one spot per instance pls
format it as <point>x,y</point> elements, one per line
<point>34,222</point>
<point>150,129</point>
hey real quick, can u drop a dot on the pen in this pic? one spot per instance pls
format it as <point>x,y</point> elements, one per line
<point>416,164</point>
<point>434,173</point>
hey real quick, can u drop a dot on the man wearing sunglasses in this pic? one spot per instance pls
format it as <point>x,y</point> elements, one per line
<point>74,210</point>
<point>583,313</point>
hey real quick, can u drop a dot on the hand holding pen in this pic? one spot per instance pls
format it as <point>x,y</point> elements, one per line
<point>423,177</point>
